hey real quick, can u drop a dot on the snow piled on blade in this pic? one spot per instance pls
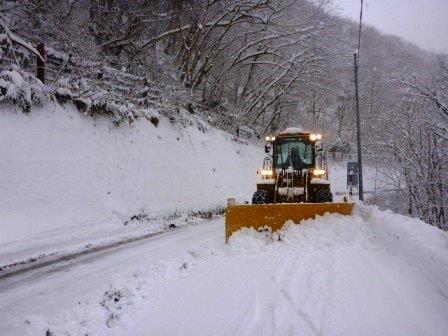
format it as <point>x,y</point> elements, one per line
<point>324,231</point>
<point>373,273</point>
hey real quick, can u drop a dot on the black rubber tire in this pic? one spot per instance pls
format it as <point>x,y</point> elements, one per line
<point>261,197</point>
<point>323,196</point>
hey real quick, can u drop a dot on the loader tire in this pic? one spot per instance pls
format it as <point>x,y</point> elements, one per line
<point>261,197</point>
<point>323,196</point>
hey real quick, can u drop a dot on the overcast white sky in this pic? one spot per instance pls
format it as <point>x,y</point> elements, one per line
<point>424,22</point>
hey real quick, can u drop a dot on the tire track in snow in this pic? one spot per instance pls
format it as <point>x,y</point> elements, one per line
<point>27,267</point>
<point>276,279</point>
<point>316,268</point>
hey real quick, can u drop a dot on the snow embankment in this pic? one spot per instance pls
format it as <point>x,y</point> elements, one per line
<point>373,273</point>
<point>66,177</point>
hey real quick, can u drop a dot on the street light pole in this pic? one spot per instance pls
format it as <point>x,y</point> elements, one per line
<point>358,130</point>
<point>358,112</point>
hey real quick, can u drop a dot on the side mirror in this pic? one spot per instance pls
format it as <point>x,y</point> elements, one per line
<point>267,148</point>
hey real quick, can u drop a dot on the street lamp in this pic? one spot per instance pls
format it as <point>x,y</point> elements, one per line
<point>358,113</point>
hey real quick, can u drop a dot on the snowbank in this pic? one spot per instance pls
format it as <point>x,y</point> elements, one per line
<point>375,273</point>
<point>64,175</point>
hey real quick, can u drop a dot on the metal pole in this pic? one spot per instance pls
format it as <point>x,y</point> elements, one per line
<point>360,26</point>
<point>358,130</point>
<point>358,112</point>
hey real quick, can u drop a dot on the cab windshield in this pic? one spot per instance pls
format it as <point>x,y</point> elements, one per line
<point>296,153</point>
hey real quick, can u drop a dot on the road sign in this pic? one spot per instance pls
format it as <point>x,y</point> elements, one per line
<point>352,174</point>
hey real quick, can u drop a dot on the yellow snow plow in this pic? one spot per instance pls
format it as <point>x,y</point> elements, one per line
<point>275,215</point>
<point>294,185</point>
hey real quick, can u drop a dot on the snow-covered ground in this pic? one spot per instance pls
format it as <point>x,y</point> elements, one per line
<point>375,273</point>
<point>69,181</point>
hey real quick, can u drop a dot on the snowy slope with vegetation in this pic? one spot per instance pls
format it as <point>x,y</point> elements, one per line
<point>68,176</point>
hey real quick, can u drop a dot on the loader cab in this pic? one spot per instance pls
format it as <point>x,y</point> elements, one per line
<point>296,150</point>
<point>295,172</point>
<point>293,143</point>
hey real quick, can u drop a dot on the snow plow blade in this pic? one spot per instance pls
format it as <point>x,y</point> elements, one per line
<point>275,215</point>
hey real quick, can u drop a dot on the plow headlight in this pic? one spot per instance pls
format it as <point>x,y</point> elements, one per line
<point>270,138</point>
<point>318,172</point>
<point>267,172</point>
<point>314,137</point>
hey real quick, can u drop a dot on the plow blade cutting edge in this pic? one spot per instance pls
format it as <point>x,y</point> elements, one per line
<point>275,215</point>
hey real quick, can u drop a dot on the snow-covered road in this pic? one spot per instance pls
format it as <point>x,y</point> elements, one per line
<point>371,274</point>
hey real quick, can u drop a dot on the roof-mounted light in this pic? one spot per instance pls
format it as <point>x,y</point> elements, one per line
<point>315,137</point>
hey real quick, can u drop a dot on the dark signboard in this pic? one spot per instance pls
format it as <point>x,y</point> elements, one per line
<point>352,174</point>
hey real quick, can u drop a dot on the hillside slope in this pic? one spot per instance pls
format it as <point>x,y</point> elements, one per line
<point>66,176</point>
